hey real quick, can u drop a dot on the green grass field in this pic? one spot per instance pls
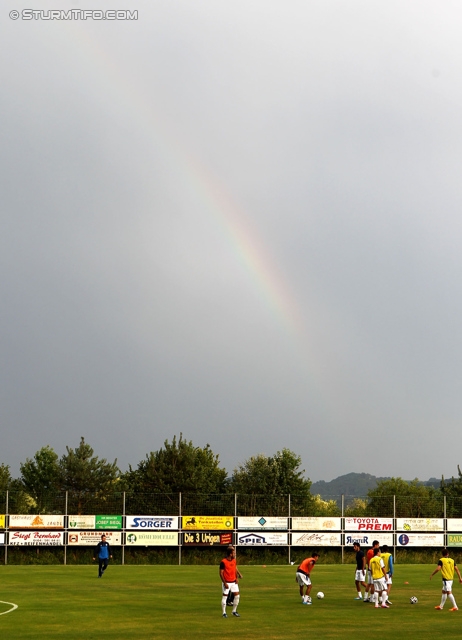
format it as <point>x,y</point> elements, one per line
<point>184,602</point>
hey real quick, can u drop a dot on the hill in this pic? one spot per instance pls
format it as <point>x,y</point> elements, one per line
<point>354,485</point>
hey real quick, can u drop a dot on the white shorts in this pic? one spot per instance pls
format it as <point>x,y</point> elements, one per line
<point>232,586</point>
<point>388,579</point>
<point>447,585</point>
<point>303,579</point>
<point>379,585</point>
<point>369,577</point>
<point>360,575</point>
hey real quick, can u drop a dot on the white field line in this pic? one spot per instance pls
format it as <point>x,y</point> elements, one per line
<point>13,607</point>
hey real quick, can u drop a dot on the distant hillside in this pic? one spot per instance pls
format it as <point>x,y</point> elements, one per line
<point>354,485</point>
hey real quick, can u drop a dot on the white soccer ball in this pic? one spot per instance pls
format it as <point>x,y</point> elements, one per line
<point>413,600</point>
<point>320,595</point>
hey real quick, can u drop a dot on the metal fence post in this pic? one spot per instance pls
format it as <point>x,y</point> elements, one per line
<point>123,530</point>
<point>343,511</point>
<point>66,530</point>
<point>6,529</point>
<point>179,532</point>
<point>395,548</point>
<point>289,532</point>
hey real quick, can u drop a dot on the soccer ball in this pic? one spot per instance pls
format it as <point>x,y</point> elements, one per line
<point>413,600</point>
<point>320,595</point>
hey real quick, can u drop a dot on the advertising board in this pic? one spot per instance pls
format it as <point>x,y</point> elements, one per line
<point>152,539</point>
<point>255,522</point>
<point>108,522</point>
<point>454,539</point>
<point>419,524</point>
<point>321,539</point>
<point>2,538</point>
<point>262,539</point>
<point>91,538</point>
<point>209,523</point>
<point>207,538</point>
<point>2,522</point>
<point>366,539</point>
<point>420,539</point>
<point>82,522</point>
<point>36,538</point>
<point>454,524</point>
<point>316,523</point>
<point>368,524</point>
<point>151,522</point>
<point>36,522</point>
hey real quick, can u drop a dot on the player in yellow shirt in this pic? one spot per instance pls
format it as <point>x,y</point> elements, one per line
<point>379,577</point>
<point>447,566</point>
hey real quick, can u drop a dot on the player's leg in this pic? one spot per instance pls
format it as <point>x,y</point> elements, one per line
<point>453,601</point>
<point>100,567</point>
<point>237,597</point>
<point>224,596</point>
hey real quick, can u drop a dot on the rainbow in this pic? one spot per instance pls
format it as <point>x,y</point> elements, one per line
<point>234,221</point>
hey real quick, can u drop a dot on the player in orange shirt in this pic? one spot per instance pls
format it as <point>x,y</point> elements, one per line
<point>229,574</point>
<point>303,576</point>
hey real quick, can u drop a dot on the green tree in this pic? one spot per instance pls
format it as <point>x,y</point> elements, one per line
<point>5,478</point>
<point>272,478</point>
<point>176,467</point>
<point>413,499</point>
<point>40,479</point>
<point>452,489</point>
<point>87,478</point>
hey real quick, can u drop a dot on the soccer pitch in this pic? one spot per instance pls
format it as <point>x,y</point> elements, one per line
<point>182,602</point>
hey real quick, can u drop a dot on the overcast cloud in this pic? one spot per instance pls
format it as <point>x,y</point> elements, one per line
<point>236,220</point>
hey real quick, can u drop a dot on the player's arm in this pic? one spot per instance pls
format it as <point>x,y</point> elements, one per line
<point>222,570</point>
<point>390,565</point>
<point>96,552</point>
<point>456,569</point>
<point>238,573</point>
<point>382,566</point>
<point>109,550</point>
<point>438,568</point>
<point>364,564</point>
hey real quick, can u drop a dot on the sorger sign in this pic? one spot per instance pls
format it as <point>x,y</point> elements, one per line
<point>368,524</point>
<point>152,522</point>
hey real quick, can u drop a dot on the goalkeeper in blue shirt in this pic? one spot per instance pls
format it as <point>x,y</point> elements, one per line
<point>103,553</point>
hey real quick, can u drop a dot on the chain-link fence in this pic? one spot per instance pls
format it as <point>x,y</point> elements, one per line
<point>228,504</point>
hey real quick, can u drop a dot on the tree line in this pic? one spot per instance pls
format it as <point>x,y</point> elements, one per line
<point>182,467</point>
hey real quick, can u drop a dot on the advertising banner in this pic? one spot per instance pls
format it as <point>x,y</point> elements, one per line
<point>91,538</point>
<point>82,522</point>
<point>309,539</point>
<point>262,539</point>
<point>36,522</point>
<point>254,522</point>
<point>366,539</point>
<point>454,524</point>
<point>2,538</point>
<point>108,522</point>
<point>316,523</point>
<point>207,538</point>
<point>152,538</point>
<point>209,523</point>
<point>368,524</point>
<point>420,540</point>
<point>454,539</point>
<point>151,522</point>
<point>2,522</point>
<point>36,538</point>
<point>419,524</point>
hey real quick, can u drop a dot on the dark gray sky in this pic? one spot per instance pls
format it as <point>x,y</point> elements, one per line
<point>236,220</point>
